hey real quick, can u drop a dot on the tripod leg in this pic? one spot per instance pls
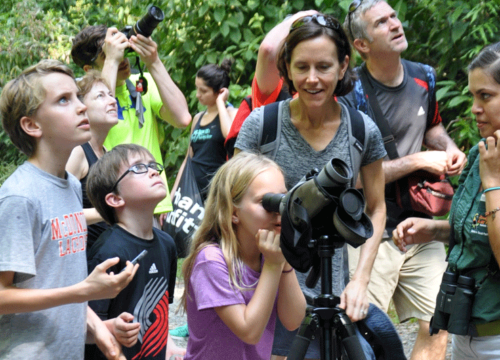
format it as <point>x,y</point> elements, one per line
<point>349,340</point>
<point>303,338</point>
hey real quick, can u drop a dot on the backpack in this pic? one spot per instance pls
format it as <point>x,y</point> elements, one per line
<point>244,110</point>
<point>270,133</point>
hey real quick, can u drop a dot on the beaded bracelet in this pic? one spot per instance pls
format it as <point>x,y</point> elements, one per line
<point>287,271</point>
<point>491,189</point>
<point>492,212</point>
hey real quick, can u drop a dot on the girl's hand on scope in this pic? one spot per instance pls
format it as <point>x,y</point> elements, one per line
<point>268,243</point>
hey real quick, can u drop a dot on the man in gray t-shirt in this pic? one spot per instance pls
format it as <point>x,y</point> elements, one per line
<point>411,279</point>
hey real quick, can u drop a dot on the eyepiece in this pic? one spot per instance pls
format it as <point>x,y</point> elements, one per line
<point>271,202</point>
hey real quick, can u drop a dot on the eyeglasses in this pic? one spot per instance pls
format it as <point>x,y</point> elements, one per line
<point>352,8</point>
<point>325,21</point>
<point>139,169</point>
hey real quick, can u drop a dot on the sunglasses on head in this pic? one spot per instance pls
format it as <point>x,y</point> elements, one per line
<point>325,21</point>
<point>352,8</point>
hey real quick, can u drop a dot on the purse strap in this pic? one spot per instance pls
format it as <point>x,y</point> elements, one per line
<point>380,120</point>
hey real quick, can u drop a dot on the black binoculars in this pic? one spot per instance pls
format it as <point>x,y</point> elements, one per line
<point>453,304</point>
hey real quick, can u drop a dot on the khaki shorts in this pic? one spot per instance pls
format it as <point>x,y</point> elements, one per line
<point>411,279</point>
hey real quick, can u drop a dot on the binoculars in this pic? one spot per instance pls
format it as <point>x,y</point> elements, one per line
<point>453,304</point>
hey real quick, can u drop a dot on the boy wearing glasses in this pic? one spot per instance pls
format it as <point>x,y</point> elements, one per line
<point>125,187</point>
<point>410,109</point>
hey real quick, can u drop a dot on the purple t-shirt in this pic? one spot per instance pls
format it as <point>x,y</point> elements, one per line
<point>209,287</point>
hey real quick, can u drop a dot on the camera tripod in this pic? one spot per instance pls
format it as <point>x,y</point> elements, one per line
<point>338,339</point>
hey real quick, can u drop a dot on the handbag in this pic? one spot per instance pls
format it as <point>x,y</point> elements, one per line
<point>421,190</point>
<point>425,192</point>
<point>187,213</point>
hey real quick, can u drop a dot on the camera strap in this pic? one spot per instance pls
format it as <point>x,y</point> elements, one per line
<point>136,91</point>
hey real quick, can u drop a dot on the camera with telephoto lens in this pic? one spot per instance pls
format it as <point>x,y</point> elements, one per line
<point>322,203</point>
<point>146,25</point>
<point>453,304</point>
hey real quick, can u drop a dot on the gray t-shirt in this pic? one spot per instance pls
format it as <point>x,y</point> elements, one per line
<point>296,157</point>
<point>44,238</point>
<point>406,108</point>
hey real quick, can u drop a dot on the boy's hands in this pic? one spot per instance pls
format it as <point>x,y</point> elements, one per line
<point>99,333</point>
<point>101,285</point>
<point>125,331</point>
<point>268,243</point>
<point>174,350</point>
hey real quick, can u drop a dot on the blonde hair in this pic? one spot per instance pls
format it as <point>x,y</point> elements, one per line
<point>227,189</point>
<point>23,96</point>
<point>86,83</point>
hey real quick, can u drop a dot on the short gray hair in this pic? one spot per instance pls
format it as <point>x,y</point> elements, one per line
<point>357,28</point>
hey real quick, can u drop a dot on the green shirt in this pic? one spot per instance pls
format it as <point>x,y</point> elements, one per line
<point>472,252</point>
<point>127,130</point>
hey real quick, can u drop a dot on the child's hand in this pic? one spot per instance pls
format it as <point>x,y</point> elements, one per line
<point>174,350</point>
<point>125,331</point>
<point>268,243</point>
<point>101,285</point>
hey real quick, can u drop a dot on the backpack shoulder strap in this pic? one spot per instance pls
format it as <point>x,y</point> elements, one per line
<point>380,120</point>
<point>270,129</point>
<point>358,139</point>
<point>425,74</point>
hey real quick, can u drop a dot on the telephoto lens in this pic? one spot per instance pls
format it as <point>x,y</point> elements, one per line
<point>146,25</point>
<point>444,302</point>
<point>149,22</point>
<point>462,306</point>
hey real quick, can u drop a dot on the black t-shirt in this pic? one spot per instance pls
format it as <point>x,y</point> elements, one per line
<point>207,143</point>
<point>148,295</point>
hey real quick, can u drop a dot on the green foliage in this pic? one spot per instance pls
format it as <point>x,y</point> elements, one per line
<point>446,35</point>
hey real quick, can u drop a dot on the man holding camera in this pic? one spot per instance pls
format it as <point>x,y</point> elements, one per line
<point>409,108</point>
<point>103,49</point>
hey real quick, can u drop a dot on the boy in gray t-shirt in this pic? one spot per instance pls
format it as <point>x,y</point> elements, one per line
<point>44,286</point>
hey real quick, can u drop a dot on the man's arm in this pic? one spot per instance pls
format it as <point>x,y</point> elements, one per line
<point>353,298</point>
<point>435,162</point>
<point>174,110</point>
<point>98,285</point>
<point>266,72</point>
<point>113,49</point>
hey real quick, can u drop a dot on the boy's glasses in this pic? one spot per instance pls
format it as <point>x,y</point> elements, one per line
<point>352,8</point>
<point>325,21</point>
<point>140,169</point>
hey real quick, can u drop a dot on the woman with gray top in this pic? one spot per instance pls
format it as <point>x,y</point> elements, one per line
<point>314,62</point>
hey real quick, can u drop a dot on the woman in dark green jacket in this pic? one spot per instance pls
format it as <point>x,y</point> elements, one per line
<point>473,230</point>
